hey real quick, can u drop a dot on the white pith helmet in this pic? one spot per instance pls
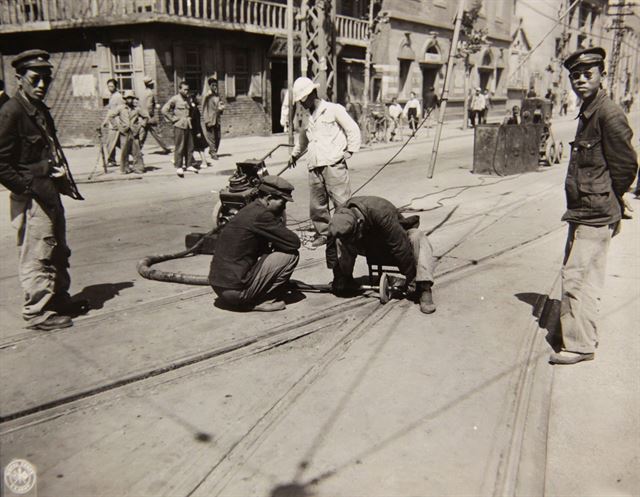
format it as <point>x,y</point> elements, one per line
<point>302,87</point>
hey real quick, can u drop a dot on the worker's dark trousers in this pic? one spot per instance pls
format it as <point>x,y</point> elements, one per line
<point>183,151</point>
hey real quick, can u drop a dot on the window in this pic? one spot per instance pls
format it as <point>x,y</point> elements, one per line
<point>193,68</point>
<point>405,67</point>
<point>242,72</point>
<point>122,65</point>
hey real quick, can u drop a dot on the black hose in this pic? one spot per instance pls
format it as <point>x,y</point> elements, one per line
<point>146,271</point>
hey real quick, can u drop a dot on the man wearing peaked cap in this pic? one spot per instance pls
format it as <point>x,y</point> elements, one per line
<point>34,169</point>
<point>130,123</point>
<point>147,108</point>
<point>602,166</point>
<point>255,252</point>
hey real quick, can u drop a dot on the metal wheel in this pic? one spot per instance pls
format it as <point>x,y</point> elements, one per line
<point>550,153</point>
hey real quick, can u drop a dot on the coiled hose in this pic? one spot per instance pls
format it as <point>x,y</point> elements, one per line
<point>146,271</point>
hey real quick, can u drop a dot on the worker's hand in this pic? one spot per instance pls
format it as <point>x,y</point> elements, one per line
<point>58,172</point>
<point>409,287</point>
<point>292,162</point>
<point>347,155</point>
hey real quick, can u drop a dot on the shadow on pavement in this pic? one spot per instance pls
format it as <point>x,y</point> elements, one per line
<point>547,311</point>
<point>97,295</point>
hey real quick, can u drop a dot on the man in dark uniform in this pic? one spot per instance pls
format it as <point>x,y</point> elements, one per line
<point>255,252</point>
<point>602,166</point>
<point>34,169</point>
<point>373,226</point>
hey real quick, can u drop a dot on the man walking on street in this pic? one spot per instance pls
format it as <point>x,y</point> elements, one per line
<point>478,105</point>
<point>212,108</point>
<point>412,112</point>
<point>176,110</point>
<point>113,136</point>
<point>330,137</point>
<point>33,168</point>
<point>130,125</point>
<point>255,252</point>
<point>602,166</point>
<point>372,226</point>
<point>431,103</point>
<point>395,113</point>
<point>147,108</point>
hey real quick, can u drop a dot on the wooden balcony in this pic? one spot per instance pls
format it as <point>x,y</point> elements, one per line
<point>256,16</point>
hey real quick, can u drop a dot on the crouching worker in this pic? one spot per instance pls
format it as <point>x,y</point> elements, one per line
<point>256,253</point>
<point>372,226</point>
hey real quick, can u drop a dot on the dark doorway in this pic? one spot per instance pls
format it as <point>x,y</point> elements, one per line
<point>429,75</point>
<point>485,78</point>
<point>278,85</point>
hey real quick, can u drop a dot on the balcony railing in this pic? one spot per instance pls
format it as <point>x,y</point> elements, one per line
<point>264,15</point>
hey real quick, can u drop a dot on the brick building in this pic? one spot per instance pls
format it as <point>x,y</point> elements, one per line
<point>242,41</point>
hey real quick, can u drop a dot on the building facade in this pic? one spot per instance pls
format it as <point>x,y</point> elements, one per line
<point>243,42</point>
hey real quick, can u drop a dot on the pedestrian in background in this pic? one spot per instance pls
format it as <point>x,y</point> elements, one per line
<point>564,103</point>
<point>212,109</point>
<point>177,111</point>
<point>395,113</point>
<point>199,141</point>
<point>412,111</point>
<point>131,123</point>
<point>477,106</point>
<point>602,166</point>
<point>431,103</point>
<point>113,135</point>
<point>330,137</point>
<point>487,106</point>
<point>147,107</point>
<point>33,168</point>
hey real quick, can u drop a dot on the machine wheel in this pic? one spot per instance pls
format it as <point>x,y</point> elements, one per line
<point>559,151</point>
<point>215,214</point>
<point>384,290</point>
<point>550,153</point>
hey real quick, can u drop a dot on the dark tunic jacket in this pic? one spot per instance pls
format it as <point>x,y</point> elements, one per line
<point>384,235</point>
<point>29,149</point>
<point>250,234</point>
<point>602,166</point>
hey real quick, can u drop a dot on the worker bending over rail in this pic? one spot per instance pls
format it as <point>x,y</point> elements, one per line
<point>372,226</point>
<point>255,252</point>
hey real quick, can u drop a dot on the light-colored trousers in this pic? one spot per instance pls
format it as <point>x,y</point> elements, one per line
<point>43,258</point>
<point>583,275</point>
<point>327,182</point>
<point>274,270</point>
<point>422,253</point>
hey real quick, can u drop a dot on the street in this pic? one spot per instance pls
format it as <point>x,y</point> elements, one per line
<point>157,391</point>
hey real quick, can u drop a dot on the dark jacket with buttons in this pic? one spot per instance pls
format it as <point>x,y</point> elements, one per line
<point>29,147</point>
<point>603,164</point>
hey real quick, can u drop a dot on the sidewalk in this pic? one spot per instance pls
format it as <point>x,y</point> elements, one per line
<point>594,420</point>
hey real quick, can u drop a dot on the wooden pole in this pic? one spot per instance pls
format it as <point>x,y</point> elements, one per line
<point>367,61</point>
<point>290,70</point>
<point>447,83</point>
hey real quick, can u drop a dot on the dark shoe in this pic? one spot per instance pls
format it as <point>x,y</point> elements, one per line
<point>426,299</point>
<point>270,306</point>
<point>566,357</point>
<point>53,322</point>
<point>319,241</point>
<point>73,308</point>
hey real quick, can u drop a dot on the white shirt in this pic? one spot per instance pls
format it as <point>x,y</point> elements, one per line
<point>329,133</point>
<point>395,110</point>
<point>414,103</point>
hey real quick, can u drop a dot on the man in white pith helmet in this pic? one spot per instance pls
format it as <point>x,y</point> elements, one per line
<point>330,137</point>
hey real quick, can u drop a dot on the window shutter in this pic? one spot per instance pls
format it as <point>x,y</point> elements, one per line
<point>103,63</point>
<point>255,86</point>
<point>229,76</point>
<point>137,57</point>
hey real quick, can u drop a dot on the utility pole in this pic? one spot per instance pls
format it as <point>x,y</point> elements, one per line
<point>290,104</point>
<point>617,25</point>
<point>447,83</point>
<point>367,61</point>
<point>318,60</point>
